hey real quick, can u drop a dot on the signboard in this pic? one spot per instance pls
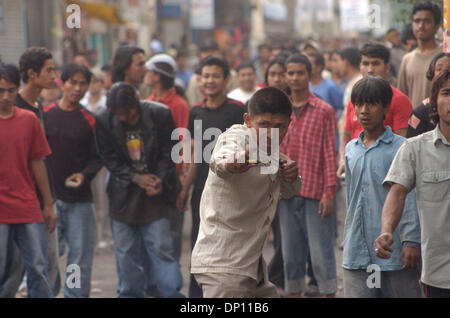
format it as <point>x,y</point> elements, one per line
<point>354,15</point>
<point>275,10</point>
<point>202,14</point>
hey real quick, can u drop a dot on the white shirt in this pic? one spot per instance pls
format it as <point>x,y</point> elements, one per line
<point>240,95</point>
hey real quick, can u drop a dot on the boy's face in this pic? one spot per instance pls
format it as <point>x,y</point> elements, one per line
<point>373,66</point>
<point>75,88</point>
<point>8,92</point>
<point>297,76</point>
<point>212,80</point>
<point>246,78</point>
<point>441,65</point>
<point>270,122</point>
<point>371,116</point>
<point>276,77</point>
<point>443,103</point>
<point>423,25</point>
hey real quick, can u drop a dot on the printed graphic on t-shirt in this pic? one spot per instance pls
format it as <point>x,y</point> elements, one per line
<point>135,146</point>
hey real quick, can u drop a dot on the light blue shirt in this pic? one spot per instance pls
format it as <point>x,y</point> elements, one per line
<point>365,170</point>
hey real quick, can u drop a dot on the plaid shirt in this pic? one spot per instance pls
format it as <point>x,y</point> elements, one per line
<point>310,142</point>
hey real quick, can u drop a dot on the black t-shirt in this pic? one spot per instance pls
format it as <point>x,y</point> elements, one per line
<point>419,122</point>
<point>70,135</point>
<point>230,113</point>
<point>39,112</point>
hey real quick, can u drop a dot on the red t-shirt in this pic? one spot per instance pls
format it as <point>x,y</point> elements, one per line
<point>22,140</point>
<point>397,118</point>
<point>179,110</point>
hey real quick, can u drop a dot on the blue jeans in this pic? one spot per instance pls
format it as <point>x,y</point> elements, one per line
<point>302,231</point>
<point>76,228</point>
<point>31,240</point>
<point>164,271</point>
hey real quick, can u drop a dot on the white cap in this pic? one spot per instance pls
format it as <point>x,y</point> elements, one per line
<point>162,58</point>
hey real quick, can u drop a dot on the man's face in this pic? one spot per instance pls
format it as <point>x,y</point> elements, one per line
<point>371,116</point>
<point>212,81</point>
<point>75,88</point>
<point>269,122</point>
<point>81,60</point>
<point>246,78</point>
<point>47,75</point>
<point>373,66</point>
<point>341,64</point>
<point>423,25</point>
<point>441,65</point>
<point>297,77</point>
<point>395,39</point>
<point>443,103</point>
<point>135,74</point>
<point>96,86</point>
<point>8,92</point>
<point>264,54</point>
<point>151,78</point>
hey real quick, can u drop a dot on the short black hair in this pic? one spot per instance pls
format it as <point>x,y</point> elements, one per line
<point>166,81</point>
<point>70,70</point>
<point>122,96</point>
<point>217,61</point>
<point>245,64</point>
<point>122,61</point>
<point>352,55</point>
<point>376,50</point>
<point>435,89</point>
<point>33,58</point>
<point>428,6</point>
<point>372,90</point>
<point>319,60</point>
<point>10,73</point>
<point>270,100</point>
<point>264,46</point>
<point>430,72</point>
<point>299,58</point>
<point>407,33</point>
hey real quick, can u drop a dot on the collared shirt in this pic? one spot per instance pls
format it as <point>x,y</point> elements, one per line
<point>310,142</point>
<point>423,162</point>
<point>236,212</point>
<point>365,169</point>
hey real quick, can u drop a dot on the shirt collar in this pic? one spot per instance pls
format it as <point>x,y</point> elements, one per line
<point>386,137</point>
<point>437,135</point>
<point>203,104</point>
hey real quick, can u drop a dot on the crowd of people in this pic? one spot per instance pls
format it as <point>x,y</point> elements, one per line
<point>90,159</point>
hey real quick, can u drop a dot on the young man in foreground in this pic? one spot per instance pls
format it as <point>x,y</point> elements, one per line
<point>367,161</point>
<point>422,163</point>
<point>240,199</point>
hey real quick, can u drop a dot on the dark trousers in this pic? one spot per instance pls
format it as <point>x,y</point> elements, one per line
<point>435,292</point>
<point>194,289</point>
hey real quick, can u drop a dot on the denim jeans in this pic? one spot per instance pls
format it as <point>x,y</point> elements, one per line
<point>16,272</point>
<point>32,243</point>
<point>164,272</point>
<point>302,231</point>
<point>76,228</point>
<point>393,284</point>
